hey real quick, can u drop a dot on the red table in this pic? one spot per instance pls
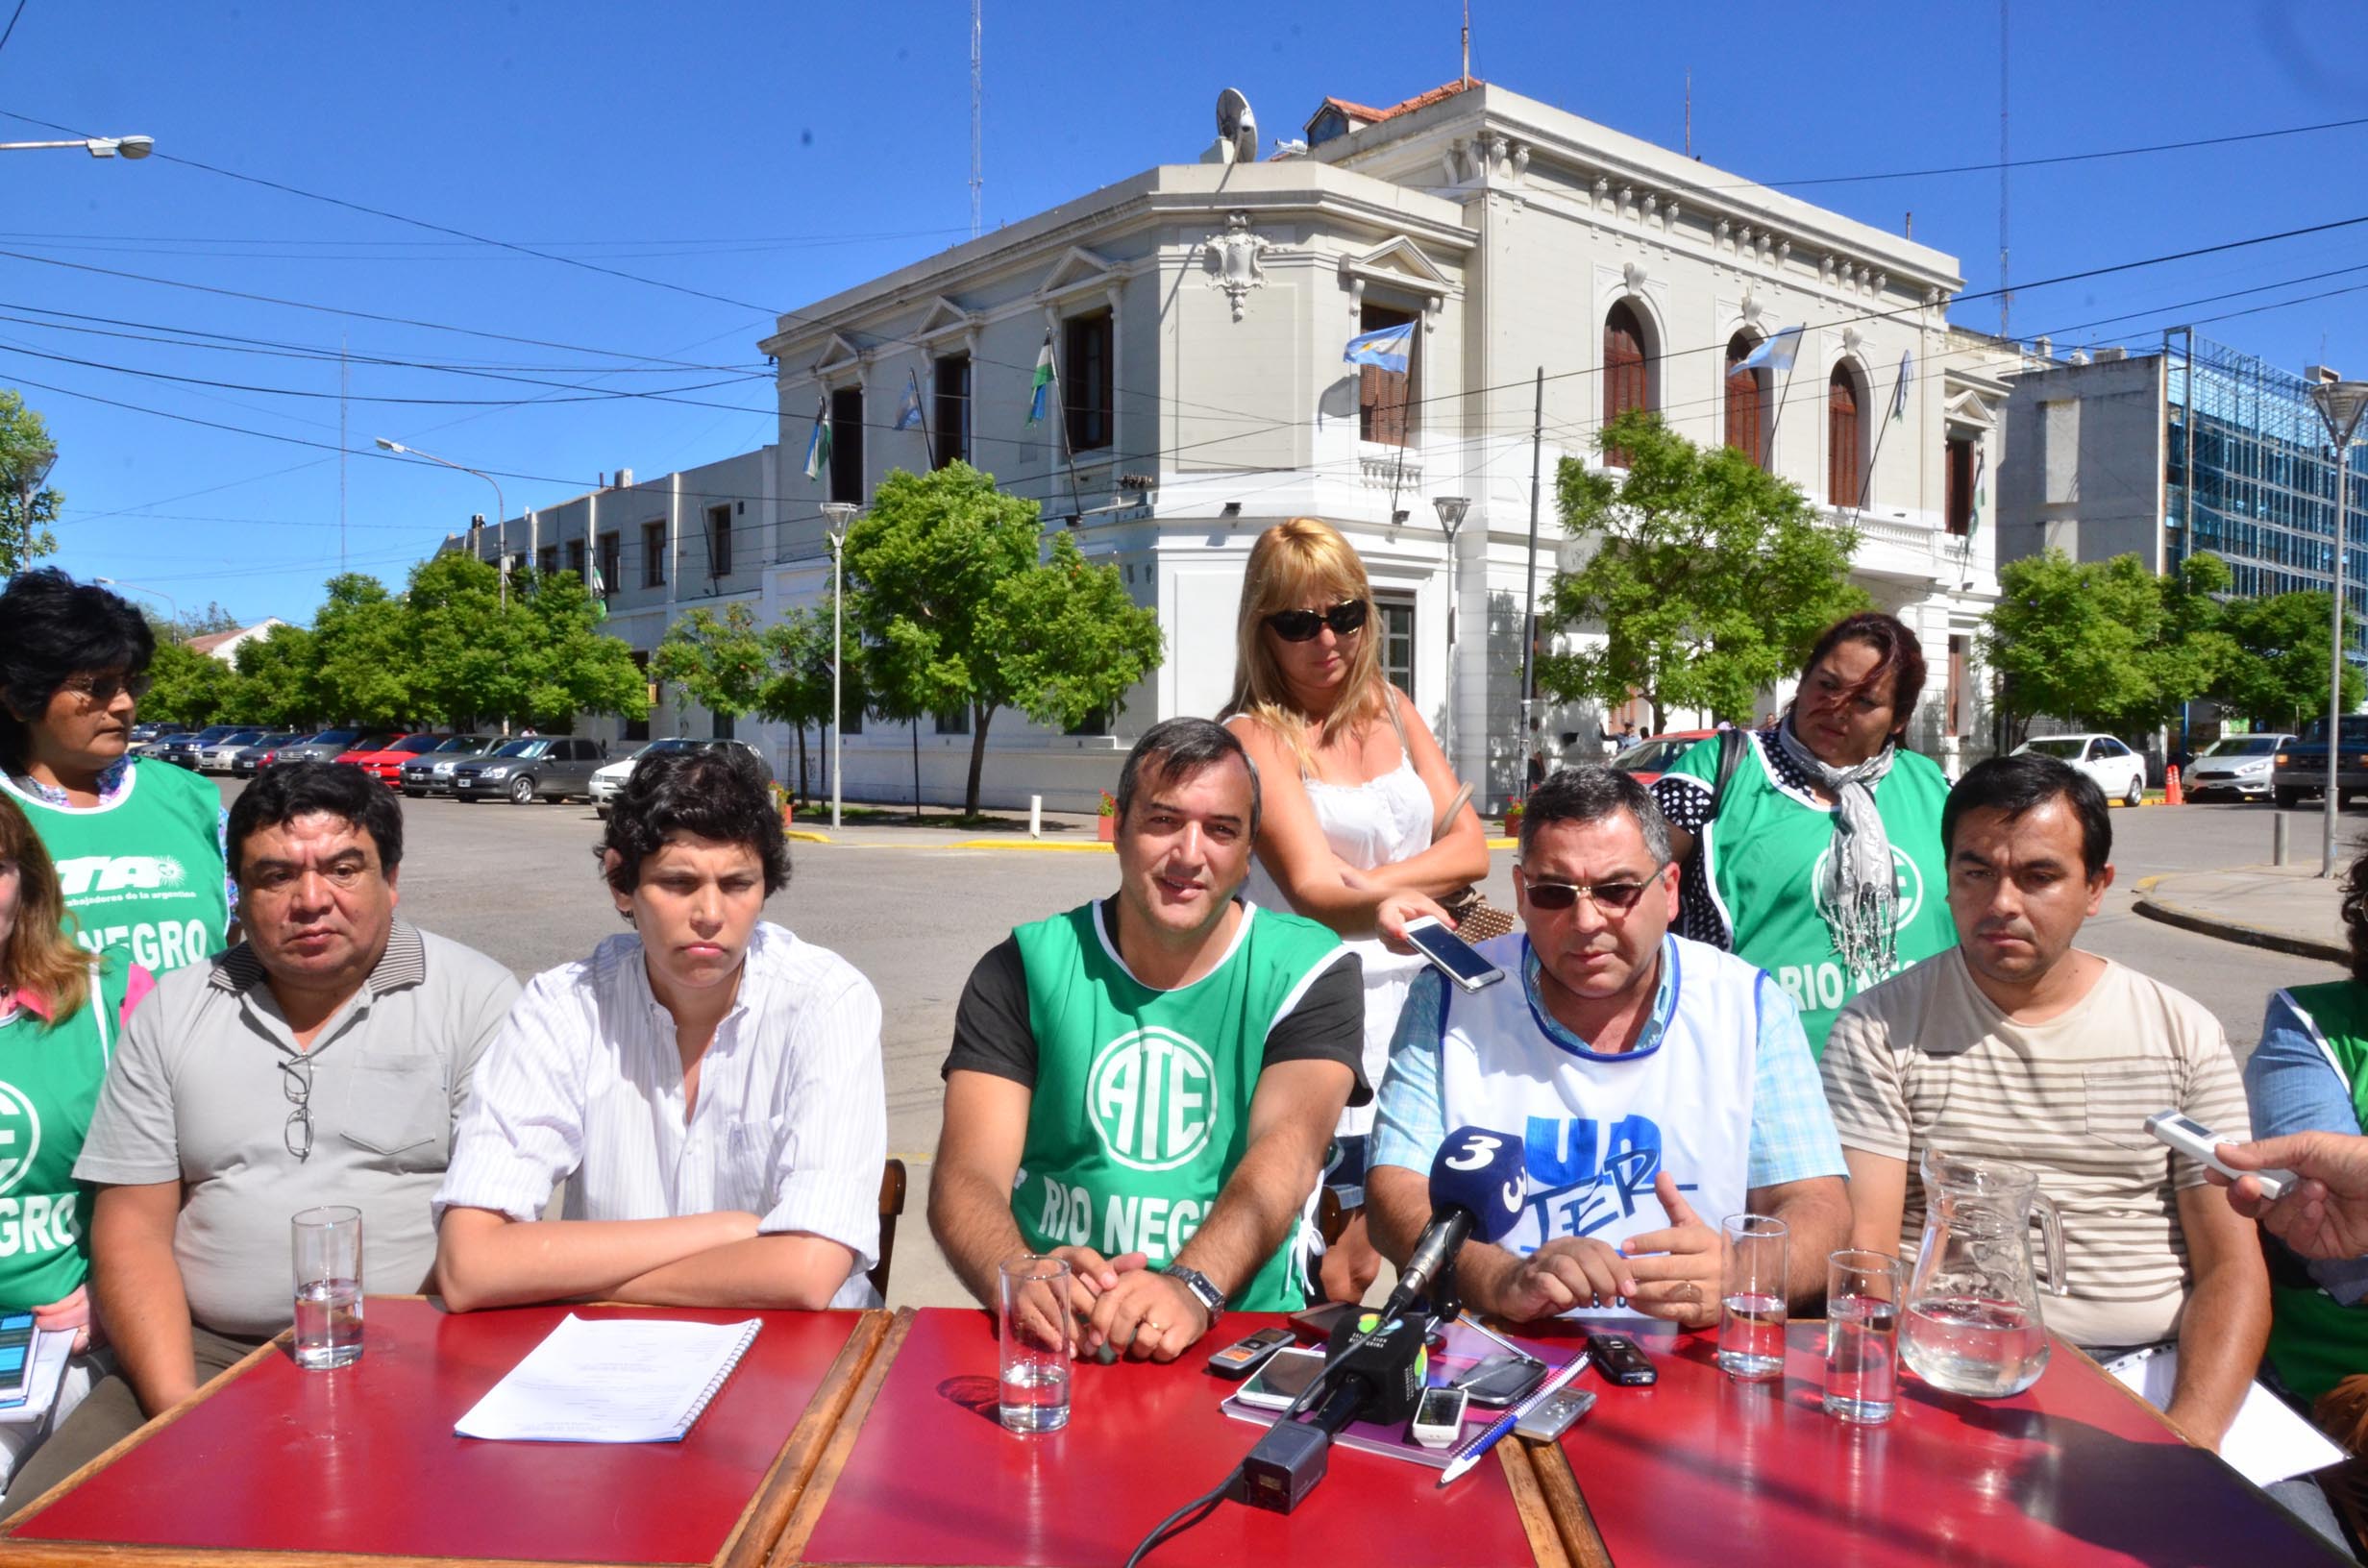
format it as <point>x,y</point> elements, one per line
<point>2074,1471</point>
<point>920,1472</point>
<point>361,1463</point>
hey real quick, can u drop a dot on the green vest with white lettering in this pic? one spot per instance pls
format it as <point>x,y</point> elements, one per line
<point>144,873</point>
<point>2316,1341</point>
<point>1141,1109</point>
<point>49,1087</point>
<point>1767,853</point>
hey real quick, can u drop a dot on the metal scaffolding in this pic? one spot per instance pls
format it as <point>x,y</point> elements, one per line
<point>2263,496</point>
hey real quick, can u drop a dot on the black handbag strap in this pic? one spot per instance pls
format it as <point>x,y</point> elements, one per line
<point>1732,745</point>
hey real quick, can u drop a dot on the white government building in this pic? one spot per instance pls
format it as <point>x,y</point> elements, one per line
<point>1198,311</point>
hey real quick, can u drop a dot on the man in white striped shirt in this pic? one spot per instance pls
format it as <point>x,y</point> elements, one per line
<point>708,1086</point>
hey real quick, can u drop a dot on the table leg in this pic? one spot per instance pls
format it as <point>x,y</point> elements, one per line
<point>1559,1489</point>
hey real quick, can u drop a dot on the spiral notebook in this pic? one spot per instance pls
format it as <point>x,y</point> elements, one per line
<point>611,1381</point>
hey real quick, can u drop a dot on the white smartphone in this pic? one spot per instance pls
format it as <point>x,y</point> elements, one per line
<point>1451,955</point>
<point>1283,1379</point>
<point>1439,1417</point>
<point>2196,1141</point>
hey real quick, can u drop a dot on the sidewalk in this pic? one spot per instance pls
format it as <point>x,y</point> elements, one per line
<point>2288,909</point>
<point>870,826</point>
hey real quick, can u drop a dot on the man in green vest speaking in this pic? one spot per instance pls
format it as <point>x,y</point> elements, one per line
<point>1146,1084</point>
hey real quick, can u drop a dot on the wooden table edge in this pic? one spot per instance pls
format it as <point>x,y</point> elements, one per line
<point>790,1546</point>
<point>1538,1519</point>
<point>767,1514</point>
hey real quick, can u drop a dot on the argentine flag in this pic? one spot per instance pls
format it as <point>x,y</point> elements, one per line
<point>908,412</point>
<point>1041,391</point>
<point>1384,348</point>
<point>1899,393</point>
<point>1776,351</point>
<point>818,444</point>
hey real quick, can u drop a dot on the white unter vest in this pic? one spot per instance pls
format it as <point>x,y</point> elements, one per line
<point>1598,1129</point>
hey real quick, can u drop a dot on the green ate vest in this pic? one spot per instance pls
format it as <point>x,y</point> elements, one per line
<point>2314,1340</point>
<point>49,1087</point>
<point>145,874</point>
<point>1766,861</point>
<point>1141,1109</point>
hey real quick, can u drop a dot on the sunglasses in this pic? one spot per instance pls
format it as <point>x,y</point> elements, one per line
<point>1301,625</point>
<point>1612,897</point>
<point>103,689</point>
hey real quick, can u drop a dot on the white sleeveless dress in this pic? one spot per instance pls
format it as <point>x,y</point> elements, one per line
<point>1378,822</point>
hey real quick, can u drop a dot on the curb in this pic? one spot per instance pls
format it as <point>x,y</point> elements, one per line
<point>799,835</point>
<point>2228,930</point>
<point>1095,848</point>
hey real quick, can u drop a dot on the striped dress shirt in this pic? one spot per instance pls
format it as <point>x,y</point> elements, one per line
<point>584,1084</point>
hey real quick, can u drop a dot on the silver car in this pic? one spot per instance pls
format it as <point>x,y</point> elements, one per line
<point>432,773</point>
<point>608,780</point>
<point>548,768</point>
<point>332,744</point>
<point>2238,765</point>
<point>217,756</point>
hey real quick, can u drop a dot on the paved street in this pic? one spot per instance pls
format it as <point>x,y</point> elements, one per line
<point>915,915</point>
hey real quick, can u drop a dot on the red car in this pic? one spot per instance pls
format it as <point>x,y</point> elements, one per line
<point>386,765</point>
<point>1650,758</point>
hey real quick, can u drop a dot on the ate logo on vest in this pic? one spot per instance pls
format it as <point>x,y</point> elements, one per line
<point>1906,878</point>
<point>1152,1098</point>
<point>114,874</point>
<point>20,1136</point>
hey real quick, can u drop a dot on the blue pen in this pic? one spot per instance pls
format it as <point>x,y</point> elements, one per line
<point>1471,1452</point>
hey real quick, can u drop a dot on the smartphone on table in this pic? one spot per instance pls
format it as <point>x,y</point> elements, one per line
<point>1283,1379</point>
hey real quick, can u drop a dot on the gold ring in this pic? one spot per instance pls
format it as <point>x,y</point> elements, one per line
<point>1155,1327</point>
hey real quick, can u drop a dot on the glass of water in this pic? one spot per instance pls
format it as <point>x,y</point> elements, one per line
<point>1861,1336</point>
<point>1039,1337</point>
<point>327,1244</point>
<point>1751,1297</point>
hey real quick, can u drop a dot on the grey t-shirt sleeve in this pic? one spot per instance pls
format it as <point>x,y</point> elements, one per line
<point>992,1031</point>
<point>134,1137</point>
<point>1327,1024</point>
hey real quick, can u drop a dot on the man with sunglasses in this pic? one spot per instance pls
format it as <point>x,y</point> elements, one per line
<point>323,1060</point>
<point>1658,1084</point>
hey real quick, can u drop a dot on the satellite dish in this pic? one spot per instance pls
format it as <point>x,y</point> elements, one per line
<point>1237,125</point>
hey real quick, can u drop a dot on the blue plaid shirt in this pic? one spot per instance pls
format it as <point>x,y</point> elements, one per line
<point>1792,1130</point>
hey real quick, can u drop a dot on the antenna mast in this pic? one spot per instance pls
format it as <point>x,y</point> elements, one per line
<point>974,94</point>
<point>1467,40</point>
<point>2006,296</point>
<point>1690,113</point>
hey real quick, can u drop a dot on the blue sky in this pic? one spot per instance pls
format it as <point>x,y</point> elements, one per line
<point>769,154</point>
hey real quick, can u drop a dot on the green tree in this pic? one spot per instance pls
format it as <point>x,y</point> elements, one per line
<point>720,662</point>
<point>568,665</point>
<point>363,640</point>
<point>465,652</point>
<point>25,447</point>
<point>188,687</point>
<point>2279,675</point>
<point>799,693</point>
<point>957,610</point>
<point>276,683</point>
<point>2108,644</point>
<point>1710,577</point>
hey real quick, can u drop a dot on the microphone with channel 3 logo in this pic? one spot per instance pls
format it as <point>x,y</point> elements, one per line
<point>1477,1183</point>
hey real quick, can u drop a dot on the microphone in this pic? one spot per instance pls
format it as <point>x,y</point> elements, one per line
<point>1477,1183</point>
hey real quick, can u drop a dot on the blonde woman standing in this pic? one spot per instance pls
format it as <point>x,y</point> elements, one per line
<point>1357,796</point>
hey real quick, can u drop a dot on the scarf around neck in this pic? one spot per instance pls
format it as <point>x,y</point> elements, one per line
<point>1861,895</point>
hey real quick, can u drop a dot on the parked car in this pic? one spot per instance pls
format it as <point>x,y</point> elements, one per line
<point>215,758</point>
<point>2300,766</point>
<point>182,750</point>
<point>431,773</point>
<point>153,729</point>
<point>330,744</point>
<point>252,759</point>
<point>2119,771</point>
<point>158,738</point>
<point>386,763</point>
<point>608,780</point>
<point>2238,765</point>
<point>1650,758</point>
<point>541,767</point>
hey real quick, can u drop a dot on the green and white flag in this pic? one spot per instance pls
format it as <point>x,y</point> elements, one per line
<point>1040,391</point>
<point>600,596</point>
<point>818,444</point>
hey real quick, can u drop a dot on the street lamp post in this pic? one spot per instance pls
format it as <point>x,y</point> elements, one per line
<point>1452,511</point>
<point>112,582</point>
<point>131,148</point>
<point>2340,404</point>
<point>501,526</point>
<point>840,512</point>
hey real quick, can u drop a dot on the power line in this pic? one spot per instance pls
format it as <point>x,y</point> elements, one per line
<point>12,27</point>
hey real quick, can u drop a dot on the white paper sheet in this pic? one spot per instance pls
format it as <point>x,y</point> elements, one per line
<point>2267,1442</point>
<point>611,1381</point>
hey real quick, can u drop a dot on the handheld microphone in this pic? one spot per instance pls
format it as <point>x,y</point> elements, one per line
<point>1477,1183</point>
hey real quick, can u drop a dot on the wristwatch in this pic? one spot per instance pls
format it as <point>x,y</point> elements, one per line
<point>1212,1300</point>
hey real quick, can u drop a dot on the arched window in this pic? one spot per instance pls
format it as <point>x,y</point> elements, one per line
<point>1746,397</point>
<point>1845,442</point>
<point>1627,380</point>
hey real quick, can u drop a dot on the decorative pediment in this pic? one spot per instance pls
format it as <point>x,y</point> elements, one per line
<point>1971,409</point>
<point>946,319</point>
<point>841,356</point>
<point>1399,264</point>
<point>1077,271</point>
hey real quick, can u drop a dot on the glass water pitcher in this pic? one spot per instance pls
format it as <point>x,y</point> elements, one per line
<point>1973,1324</point>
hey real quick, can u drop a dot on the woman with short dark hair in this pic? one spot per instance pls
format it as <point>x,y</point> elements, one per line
<point>1819,858</point>
<point>137,843</point>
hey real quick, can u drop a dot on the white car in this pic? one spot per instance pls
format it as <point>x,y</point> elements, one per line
<point>2119,771</point>
<point>2239,764</point>
<point>607,781</point>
